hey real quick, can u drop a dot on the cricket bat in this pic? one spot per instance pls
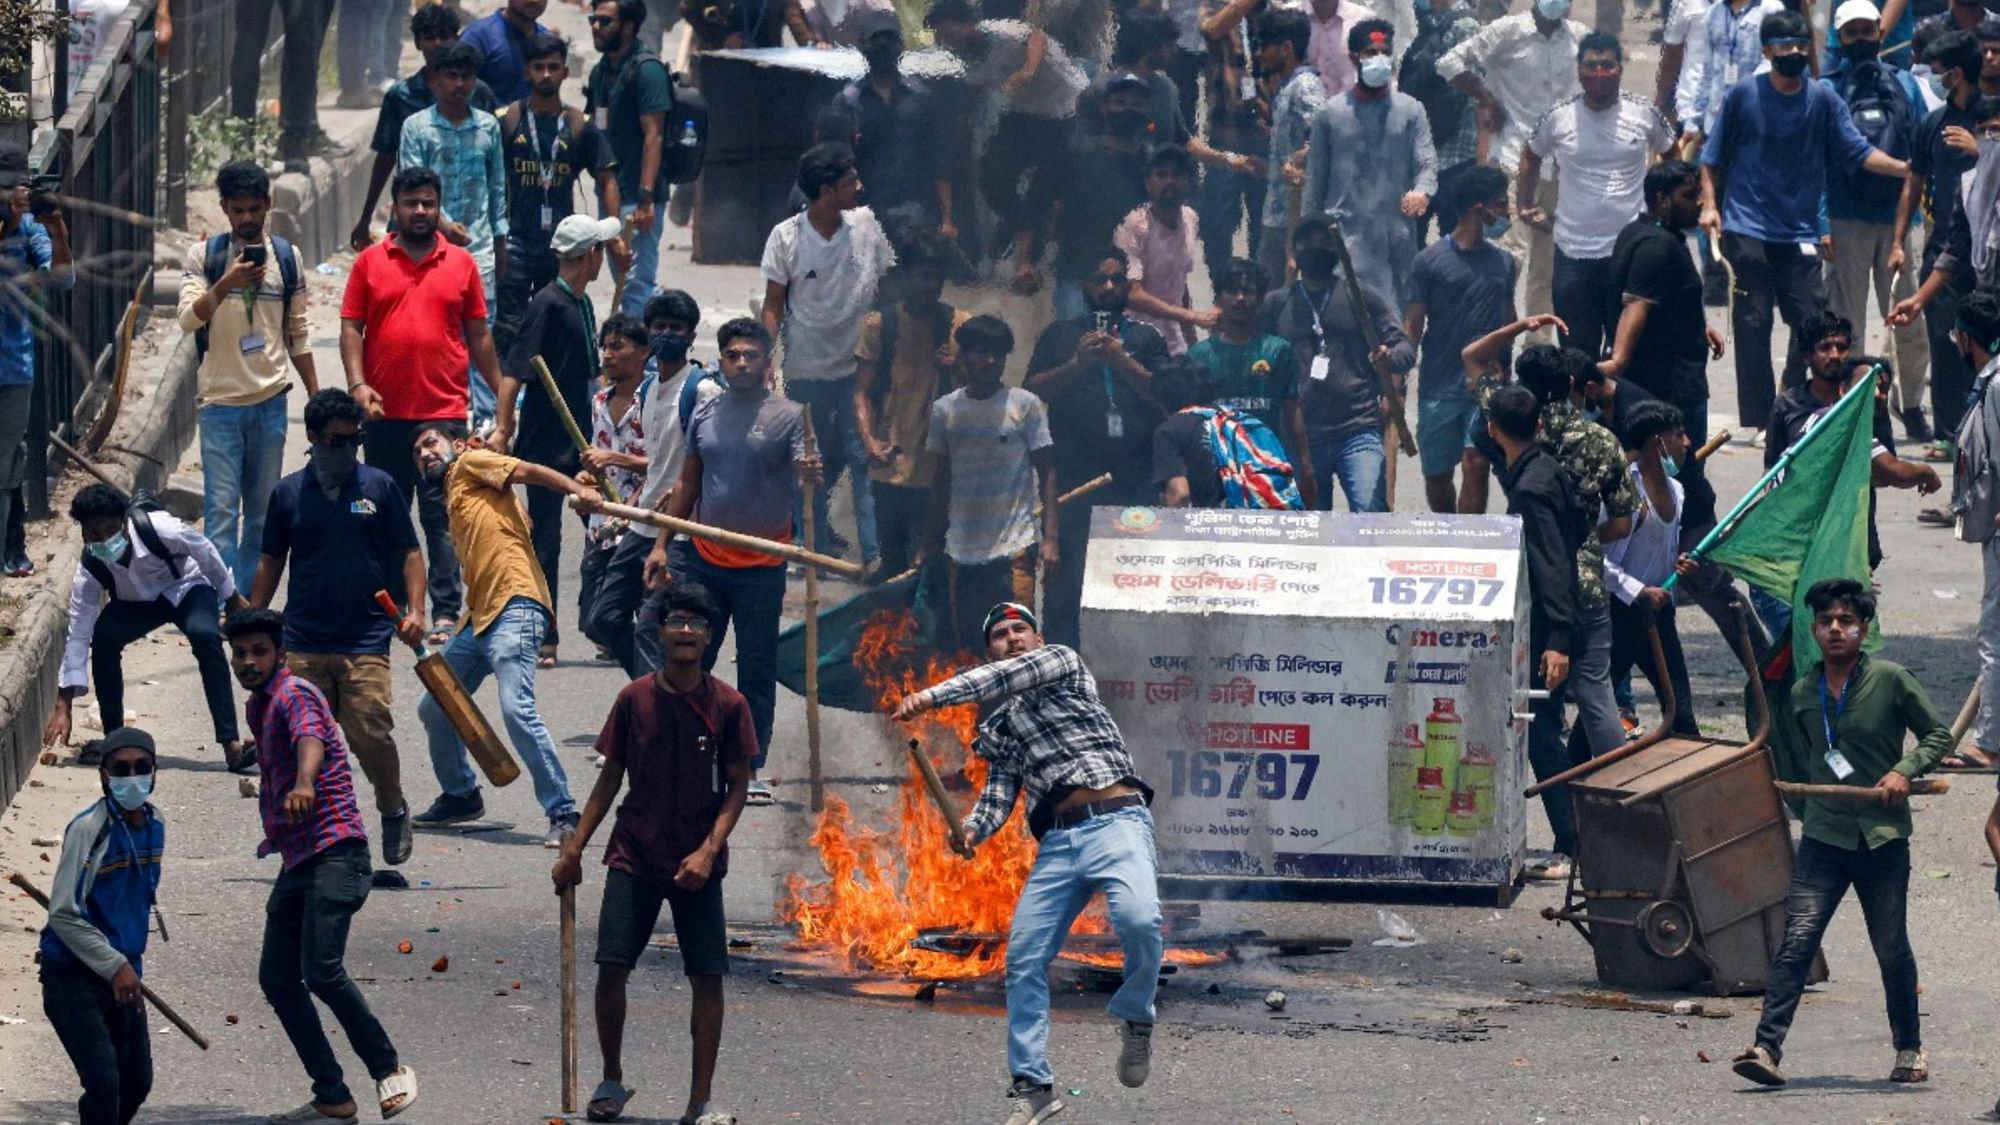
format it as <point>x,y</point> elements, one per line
<point>472,727</point>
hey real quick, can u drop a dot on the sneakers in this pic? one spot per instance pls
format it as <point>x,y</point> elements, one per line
<point>449,809</point>
<point>1758,1066</point>
<point>759,793</point>
<point>559,829</point>
<point>1135,1053</point>
<point>361,97</point>
<point>20,566</point>
<point>396,838</point>
<point>1032,1104</point>
<point>1911,1066</point>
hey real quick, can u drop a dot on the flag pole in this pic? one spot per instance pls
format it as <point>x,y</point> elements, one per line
<point>1761,489</point>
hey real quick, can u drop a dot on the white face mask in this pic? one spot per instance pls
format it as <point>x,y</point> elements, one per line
<point>1552,9</point>
<point>1375,71</point>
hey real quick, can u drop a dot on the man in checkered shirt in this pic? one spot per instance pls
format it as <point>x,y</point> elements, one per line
<point>1049,733</point>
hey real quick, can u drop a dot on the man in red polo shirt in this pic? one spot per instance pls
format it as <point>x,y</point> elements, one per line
<point>413,308</point>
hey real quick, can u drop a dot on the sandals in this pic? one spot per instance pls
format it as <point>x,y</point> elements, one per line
<point>1554,869</point>
<point>401,1083</point>
<point>1936,517</point>
<point>759,794</point>
<point>713,1117</point>
<point>1911,1066</point>
<point>616,1093</point>
<point>309,1112</point>
<point>92,753</point>
<point>441,630</point>
<point>1965,761</point>
<point>546,657</point>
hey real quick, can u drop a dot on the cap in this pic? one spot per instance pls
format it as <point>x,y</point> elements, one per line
<point>1122,79</point>
<point>1008,611</point>
<point>124,738</point>
<point>13,165</point>
<point>880,23</point>
<point>578,233</point>
<point>1851,11</point>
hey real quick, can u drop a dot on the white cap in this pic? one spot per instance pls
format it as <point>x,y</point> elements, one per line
<point>579,233</point>
<point>1851,11</point>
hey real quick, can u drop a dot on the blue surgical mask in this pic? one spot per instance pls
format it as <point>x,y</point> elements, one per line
<point>1552,9</point>
<point>1376,71</point>
<point>1672,467</point>
<point>1498,227</point>
<point>109,550</point>
<point>131,792</point>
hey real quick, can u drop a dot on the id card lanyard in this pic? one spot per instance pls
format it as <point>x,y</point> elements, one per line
<point>1835,760</point>
<point>1321,361</point>
<point>1114,422</point>
<point>545,170</point>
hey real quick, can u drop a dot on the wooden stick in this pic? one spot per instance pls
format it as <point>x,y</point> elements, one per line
<point>935,786</point>
<point>1920,787</point>
<point>81,461</point>
<point>1084,489</point>
<point>1714,443</point>
<point>1966,714</point>
<point>789,551</point>
<point>568,927</point>
<point>549,385</point>
<point>809,521</point>
<point>127,325</point>
<point>152,997</point>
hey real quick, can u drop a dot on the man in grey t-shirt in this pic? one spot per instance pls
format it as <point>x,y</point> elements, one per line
<point>747,457</point>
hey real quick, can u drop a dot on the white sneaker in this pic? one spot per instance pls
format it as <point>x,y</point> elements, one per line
<point>1033,1104</point>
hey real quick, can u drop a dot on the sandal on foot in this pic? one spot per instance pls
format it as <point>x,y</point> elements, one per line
<point>1936,517</point>
<point>310,1112</point>
<point>1554,869</point>
<point>1968,760</point>
<point>400,1083</point>
<point>1757,1065</point>
<point>759,794</point>
<point>546,657</point>
<point>441,631</point>
<point>616,1093</point>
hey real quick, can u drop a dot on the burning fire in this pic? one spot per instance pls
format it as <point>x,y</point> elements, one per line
<point>887,884</point>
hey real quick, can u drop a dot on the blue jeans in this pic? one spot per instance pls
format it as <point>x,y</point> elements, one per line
<point>485,400</point>
<point>1222,203</point>
<point>1820,877</point>
<point>1356,460</point>
<point>752,599</point>
<point>242,457</point>
<point>832,404</point>
<point>1113,853</point>
<point>508,650</point>
<point>644,280</point>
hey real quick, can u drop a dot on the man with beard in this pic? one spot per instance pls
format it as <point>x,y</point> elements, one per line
<point>1159,240</point>
<point>900,148</point>
<point>1255,372</point>
<point>413,309</point>
<point>508,610</point>
<point>1342,394</point>
<point>1103,181</point>
<point>548,146</point>
<point>345,528</point>
<point>1282,39</point>
<point>628,95</point>
<point>1095,374</point>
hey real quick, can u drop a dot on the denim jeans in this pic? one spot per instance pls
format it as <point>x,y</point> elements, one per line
<point>305,945</point>
<point>1113,853</point>
<point>1820,877</point>
<point>506,650</point>
<point>1547,757</point>
<point>832,404</point>
<point>1356,461</point>
<point>106,1041</point>
<point>242,457</point>
<point>386,446</point>
<point>752,599</point>
<point>1223,200</point>
<point>644,279</point>
<point>199,618</point>
<point>613,619</point>
<point>1986,727</point>
<point>1598,728</point>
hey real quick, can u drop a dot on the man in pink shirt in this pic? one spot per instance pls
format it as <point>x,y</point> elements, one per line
<point>1327,52</point>
<point>1160,241</point>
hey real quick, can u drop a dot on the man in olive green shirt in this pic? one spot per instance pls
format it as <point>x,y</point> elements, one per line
<point>1844,724</point>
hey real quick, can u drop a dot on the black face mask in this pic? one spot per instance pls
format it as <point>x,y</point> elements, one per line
<point>1315,262</point>
<point>1861,50</point>
<point>1791,66</point>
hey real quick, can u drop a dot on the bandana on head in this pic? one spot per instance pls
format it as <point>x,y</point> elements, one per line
<point>1008,611</point>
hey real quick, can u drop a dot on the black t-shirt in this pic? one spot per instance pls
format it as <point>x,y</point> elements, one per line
<point>1096,190</point>
<point>1180,449</point>
<point>409,97</point>
<point>1653,263</point>
<point>341,550</point>
<point>556,329</point>
<point>1942,168</point>
<point>562,145</point>
<point>900,146</point>
<point>1080,416</point>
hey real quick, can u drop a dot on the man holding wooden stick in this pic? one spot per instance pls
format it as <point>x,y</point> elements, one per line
<point>686,739</point>
<point>748,456</point>
<point>1047,733</point>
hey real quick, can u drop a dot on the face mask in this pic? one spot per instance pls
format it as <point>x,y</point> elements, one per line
<point>1791,66</point>
<point>1592,414</point>
<point>1124,123</point>
<point>1497,227</point>
<point>332,465</point>
<point>1375,71</point>
<point>1552,10</point>
<point>1861,50</point>
<point>131,792</point>
<point>670,347</point>
<point>110,550</point>
<point>1316,261</point>
<point>1670,466</point>
<point>1601,87</point>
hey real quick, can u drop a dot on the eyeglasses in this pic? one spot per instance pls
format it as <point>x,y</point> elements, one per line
<point>682,623</point>
<point>130,769</point>
<point>602,21</point>
<point>340,441</point>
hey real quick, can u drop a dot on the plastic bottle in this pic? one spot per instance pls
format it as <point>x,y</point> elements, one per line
<point>689,138</point>
<point>1444,736</point>
<point>1406,749</point>
<point>1427,817</point>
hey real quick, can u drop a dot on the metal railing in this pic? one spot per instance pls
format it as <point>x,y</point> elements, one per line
<point>105,150</point>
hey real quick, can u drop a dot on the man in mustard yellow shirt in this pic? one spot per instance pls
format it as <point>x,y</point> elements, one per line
<point>243,297</point>
<point>507,612</point>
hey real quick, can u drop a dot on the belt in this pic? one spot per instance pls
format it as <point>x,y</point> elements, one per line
<point>1070,817</point>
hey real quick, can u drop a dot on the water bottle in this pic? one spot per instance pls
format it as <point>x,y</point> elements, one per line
<point>689,139</point>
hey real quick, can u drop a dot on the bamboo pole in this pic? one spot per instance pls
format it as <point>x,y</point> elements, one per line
<point>576,436</point>
<point>567,919</point>
<point>809,521</point>
<point>791,552</point>
<point>935,787</point>
<point>152,997</point>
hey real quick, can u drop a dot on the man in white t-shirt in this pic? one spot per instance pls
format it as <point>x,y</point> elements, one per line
<point>1602,141</point>
<point>995,460</point>
<point>821,270</point>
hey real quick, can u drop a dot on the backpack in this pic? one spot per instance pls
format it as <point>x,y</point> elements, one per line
<point>1250,460</point>
<point>1885,113</point>
<point>138,518</point>
<point>215,262</point>
<point>1418,77</point>
<point>684,143</point>
<point>1974,502</point>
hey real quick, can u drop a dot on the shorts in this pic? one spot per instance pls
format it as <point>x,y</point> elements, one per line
<point>631,907</point>
<point>1444,429</point>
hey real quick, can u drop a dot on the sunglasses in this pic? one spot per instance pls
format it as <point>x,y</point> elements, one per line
<point>340,441</point>
<point>602,21</point>
<point>129,769</point>
<point>680,623</point>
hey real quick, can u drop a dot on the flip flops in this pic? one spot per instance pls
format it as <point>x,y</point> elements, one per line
<point>401,1082</point>
<point>608,1091</point>
<point>310,1113</point>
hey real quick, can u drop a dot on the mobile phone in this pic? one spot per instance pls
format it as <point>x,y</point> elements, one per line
<point>1102,320</point>
<point>254,255</point>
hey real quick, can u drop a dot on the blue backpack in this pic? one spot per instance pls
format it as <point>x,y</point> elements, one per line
<point>1250,460</point>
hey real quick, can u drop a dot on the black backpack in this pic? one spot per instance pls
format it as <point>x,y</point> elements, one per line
<point>139,519</point>
<point>216,262</point>
<point>1883,113</point>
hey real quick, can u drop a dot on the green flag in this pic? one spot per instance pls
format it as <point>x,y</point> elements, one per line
<point>902,605</point>
<point>1812,521</point>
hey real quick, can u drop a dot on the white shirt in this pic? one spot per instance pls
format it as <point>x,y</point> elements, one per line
<point>666,441</point>
<point>1603,155</point>
<point>829,287</point>
<point>1527,73</point>
<point>144,577</point>
<point>1723,49</point>
<point>1645,557</point>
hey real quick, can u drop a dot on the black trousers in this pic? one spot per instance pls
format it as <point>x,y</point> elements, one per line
<point>386,446</point>
<point>899,524</point>
<point>1583,297</point>
<point>1023,147</point>
<point>199,618</point>
<point>1951,379</point>
<point>1768,274</point>
<point>298,67</point>
<point>1630,645</point>
<point>613,619</point>
<point>545,514</point>
<point>525,276</point>
<point>106,1041</point>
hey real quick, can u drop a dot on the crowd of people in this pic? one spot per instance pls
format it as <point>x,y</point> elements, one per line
<point>1554,316</point>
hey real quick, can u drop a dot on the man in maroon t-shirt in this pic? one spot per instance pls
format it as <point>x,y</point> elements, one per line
<point>413,312</point>
<point>686,739</point>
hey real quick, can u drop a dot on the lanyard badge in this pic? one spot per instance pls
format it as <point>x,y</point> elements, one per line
<point>1835,760</point>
